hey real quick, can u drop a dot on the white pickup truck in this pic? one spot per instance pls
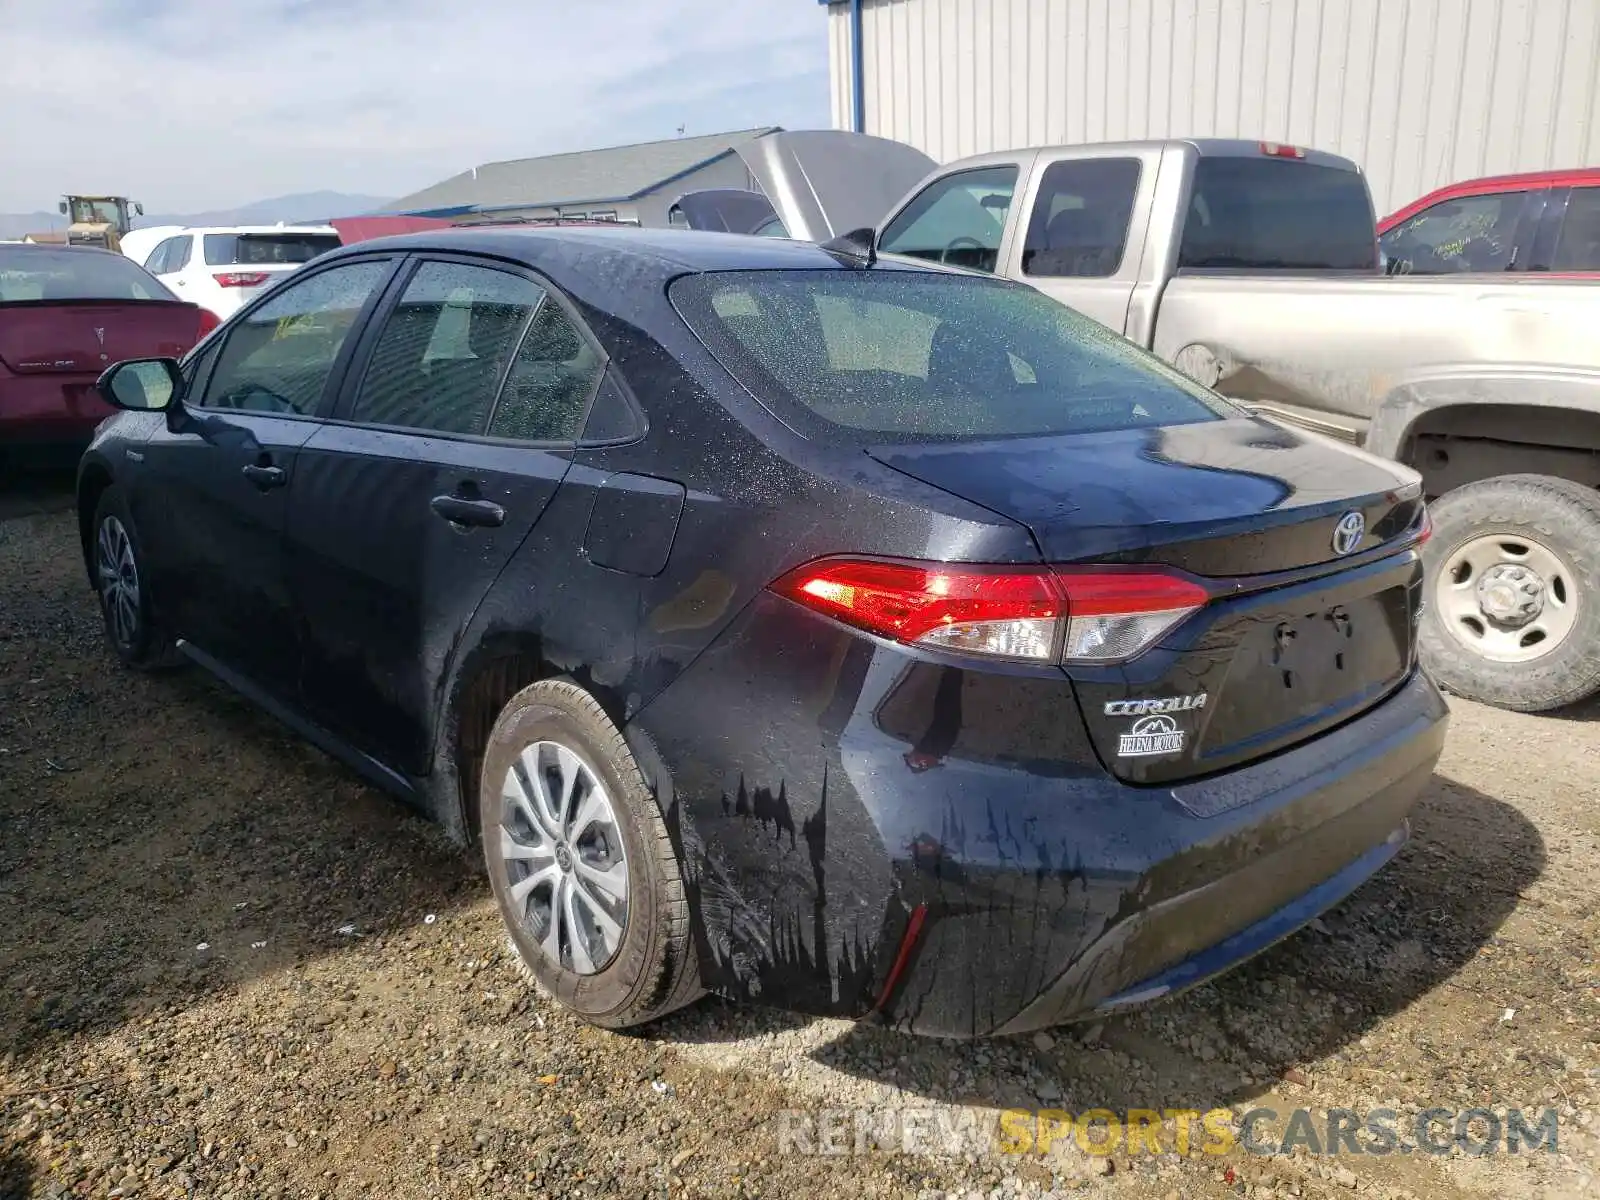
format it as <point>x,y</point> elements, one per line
<point>1255,268</point>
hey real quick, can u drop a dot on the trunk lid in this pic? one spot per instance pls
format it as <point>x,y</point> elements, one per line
<point>84,337</point>
<point>1300,637</point>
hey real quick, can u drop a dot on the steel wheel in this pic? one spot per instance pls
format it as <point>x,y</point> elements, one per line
<point>1507,598</point>
<point>118,576</point>
<point>564,857</point>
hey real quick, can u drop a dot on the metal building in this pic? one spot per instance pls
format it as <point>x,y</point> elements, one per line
<point>1419,92</point>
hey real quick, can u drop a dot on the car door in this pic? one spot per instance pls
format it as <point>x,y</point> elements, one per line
<point>1085,231</point>
<point>213,494</point>
<point>170,261</point>
<point>455,430</point>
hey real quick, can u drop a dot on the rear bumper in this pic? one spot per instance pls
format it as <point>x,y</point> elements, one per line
<point>49,410</point>
<point>822,787</point>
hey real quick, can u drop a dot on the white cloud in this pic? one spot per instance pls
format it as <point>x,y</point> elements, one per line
<point>194,104</point>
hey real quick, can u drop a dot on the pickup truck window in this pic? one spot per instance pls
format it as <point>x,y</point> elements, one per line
<point>958,219</point>
<point>1465,233</point>
<point>900,355</point>
<point>1079,225</point>
<point>1273,214</point>
<point>1578,248</point>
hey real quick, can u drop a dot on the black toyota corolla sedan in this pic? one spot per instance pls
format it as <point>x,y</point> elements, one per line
<point>852,635</point>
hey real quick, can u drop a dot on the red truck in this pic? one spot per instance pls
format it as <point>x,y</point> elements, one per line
<point>66,314</point>
<point>1546,222</point>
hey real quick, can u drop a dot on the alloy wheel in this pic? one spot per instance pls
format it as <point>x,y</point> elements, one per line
<point>565,862</point>
<point>118,575</point>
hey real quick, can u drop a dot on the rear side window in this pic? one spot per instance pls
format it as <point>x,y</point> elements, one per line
<point>1079,226</point>
<point>959,219</point>
<point>1275,214</point>
<point>445,348</point>
<point>40,273</point>
<point>265,249</point>
<point>551,381</point>
<point>893,355</point>
<point>1578,248</point>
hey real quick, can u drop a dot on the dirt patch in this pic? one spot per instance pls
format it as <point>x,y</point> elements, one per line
<point>231,969</point>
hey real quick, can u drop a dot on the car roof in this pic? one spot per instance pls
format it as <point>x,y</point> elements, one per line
<point>674,251</point>
<point>322,229</point>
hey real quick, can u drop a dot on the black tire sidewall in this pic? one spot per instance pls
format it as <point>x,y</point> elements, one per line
<point>632,978</point>
<point>1565,518</point>
<point>140,653</point>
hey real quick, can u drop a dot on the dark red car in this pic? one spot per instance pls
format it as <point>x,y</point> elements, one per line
<point>1546,222</point>
<point>66,314</point>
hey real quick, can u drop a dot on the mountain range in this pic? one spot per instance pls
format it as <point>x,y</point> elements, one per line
<point>304,207</point>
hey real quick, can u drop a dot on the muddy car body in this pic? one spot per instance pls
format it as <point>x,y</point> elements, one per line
<point>846,677</point>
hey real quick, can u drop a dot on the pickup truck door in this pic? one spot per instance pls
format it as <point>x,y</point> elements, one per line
<point>1079,233</point>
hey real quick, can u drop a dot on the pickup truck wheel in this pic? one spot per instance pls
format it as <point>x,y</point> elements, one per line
<point>1513,594</point>
<point>581,863</point>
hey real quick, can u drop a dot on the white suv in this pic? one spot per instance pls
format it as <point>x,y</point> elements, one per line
<point>220,269</point>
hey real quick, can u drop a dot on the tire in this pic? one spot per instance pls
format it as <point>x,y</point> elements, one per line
<point>651,968</point>
<point>134,630</point>
<point>1482,531</point>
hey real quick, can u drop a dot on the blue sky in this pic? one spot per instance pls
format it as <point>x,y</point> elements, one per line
<point>194,104</point>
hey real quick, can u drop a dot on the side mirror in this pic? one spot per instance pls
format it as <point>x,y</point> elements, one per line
<point>141,384</point>
<point>62,208</point>
<point>138,209</point>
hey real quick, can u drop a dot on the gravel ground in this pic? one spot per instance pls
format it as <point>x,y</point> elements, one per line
<point>231,969</point>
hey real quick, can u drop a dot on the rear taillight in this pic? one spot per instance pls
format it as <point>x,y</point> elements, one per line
<point>208,321</point>
<point>1425,531</point>
<point>1114,615</point>
<point>241,278</point>
<point>1028,614</point>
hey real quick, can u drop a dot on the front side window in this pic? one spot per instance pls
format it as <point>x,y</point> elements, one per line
<point>892,355</point>
<point>178,253</point>
<point>1578,248</point>
<point>1079,225</point>
<point>445,348</point>
<point>277,359</point>
<point>1470,233</point>
<point>959,219</point>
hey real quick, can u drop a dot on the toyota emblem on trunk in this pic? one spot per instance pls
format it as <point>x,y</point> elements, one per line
<point>1347,534</point>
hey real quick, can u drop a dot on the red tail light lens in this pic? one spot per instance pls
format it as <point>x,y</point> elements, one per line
<point>1426,530</point>
<point>241,278</point>
<point>1027,614</point>
<point>208,321</point>
<point>1279,150</point>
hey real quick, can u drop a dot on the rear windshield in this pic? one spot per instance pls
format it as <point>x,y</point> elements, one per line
<point>266,249</point>
<point>925,356</point>
<point>1277,214</point>
<point>37,273</point>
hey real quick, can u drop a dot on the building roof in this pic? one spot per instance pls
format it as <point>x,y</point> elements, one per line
<point>605,176</point>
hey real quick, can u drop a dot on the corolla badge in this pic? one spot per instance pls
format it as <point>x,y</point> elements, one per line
<point>1150,735</point>
<point>1347,534</point>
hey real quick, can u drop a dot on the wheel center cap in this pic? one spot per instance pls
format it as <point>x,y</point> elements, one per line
<point>1510,594</point>
<point>564,858</point>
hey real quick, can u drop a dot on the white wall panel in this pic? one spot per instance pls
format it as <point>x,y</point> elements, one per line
<point>1419,92</point>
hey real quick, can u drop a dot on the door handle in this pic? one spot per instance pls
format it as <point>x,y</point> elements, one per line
<point>265,477</point>
<point>461,511</point>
